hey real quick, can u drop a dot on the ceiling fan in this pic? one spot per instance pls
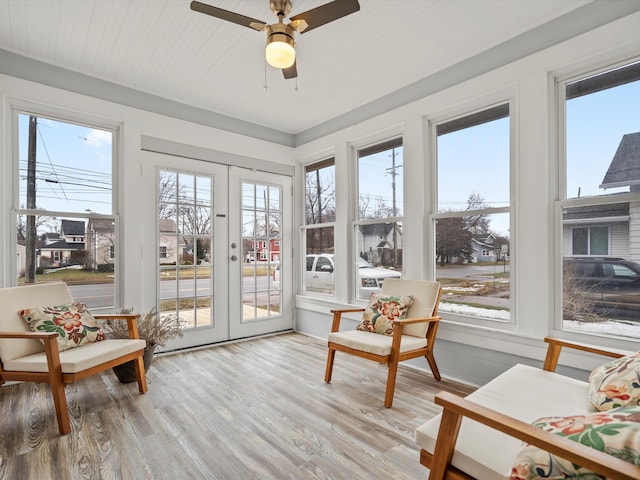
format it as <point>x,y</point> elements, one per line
<point>280,51</point>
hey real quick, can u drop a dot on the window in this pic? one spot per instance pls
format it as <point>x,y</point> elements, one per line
<point>163,251</point>
<point>319,221</point>
<point>378,225</point>
<point>65,217</point>
<point>590,240</point>
<point>472,222</point>
<point>600,202</point>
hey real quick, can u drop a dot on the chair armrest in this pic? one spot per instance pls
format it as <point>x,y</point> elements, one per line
<point>116,316</point>
<point>50,341</point>
<point>409,321</point>
<point>337,316</point>
<point>455,407</point>
<point>130,318</point>
<point>27,335</point>
<point>555,346</point>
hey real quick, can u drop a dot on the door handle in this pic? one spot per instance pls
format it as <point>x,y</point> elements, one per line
<point>234,258</point>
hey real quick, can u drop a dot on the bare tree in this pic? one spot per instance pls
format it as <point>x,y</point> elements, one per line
<point>167,195</point>
<point>320,198</point>
<point>370,207</point>
<point>42,223</point>
<point>477,224</point>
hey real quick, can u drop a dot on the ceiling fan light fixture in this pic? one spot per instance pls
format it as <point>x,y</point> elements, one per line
<point>280,51</point>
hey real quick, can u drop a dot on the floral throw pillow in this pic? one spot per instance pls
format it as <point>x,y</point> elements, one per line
<point>382,310</point>
<point>616,383</point>
<point>615,432</point>
<point>73,323</point>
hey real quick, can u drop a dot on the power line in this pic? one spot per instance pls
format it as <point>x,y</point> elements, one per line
<point>44,144</point>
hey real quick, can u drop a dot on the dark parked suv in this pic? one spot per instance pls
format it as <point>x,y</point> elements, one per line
<point>612,284</point>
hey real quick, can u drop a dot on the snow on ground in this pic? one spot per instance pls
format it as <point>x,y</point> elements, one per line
<point>611,327</point>
<point>474,311</point>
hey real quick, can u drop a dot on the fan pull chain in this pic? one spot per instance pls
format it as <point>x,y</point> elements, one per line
<point>265,86</point>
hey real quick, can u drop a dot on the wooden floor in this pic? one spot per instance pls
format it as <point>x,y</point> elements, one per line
<point>257,409</point>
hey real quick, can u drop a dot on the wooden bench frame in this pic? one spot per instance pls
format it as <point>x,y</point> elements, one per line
<point>455,408</point>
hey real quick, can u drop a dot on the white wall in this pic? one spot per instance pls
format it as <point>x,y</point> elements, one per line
<point>476,354</point>
<point>137,226</point>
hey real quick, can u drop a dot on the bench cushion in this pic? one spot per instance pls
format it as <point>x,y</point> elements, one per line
<point>523,392</point>
<point>375,343</point>
<point>78,359</point>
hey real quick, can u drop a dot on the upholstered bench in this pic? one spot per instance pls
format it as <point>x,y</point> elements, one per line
<point>35,356</point>
<point>481,435</point>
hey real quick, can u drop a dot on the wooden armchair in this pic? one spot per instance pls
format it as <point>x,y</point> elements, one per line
<point>35,357</point>
<point>412,337</point>
<point>478,437</point>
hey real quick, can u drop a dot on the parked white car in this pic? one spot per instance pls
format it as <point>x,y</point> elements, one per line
<point>320,275</point>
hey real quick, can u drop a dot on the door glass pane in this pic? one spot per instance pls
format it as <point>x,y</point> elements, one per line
<point>261,242</point>
<point>185,242</point>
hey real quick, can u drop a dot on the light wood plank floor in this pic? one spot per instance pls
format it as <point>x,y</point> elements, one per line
<point>257,409</point>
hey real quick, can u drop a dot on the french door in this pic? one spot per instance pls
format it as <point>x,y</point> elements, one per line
<point>222,232</point>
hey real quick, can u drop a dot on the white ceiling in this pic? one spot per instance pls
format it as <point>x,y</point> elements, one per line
<point>163,48</point>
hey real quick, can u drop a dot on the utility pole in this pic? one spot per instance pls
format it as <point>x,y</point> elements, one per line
<point>392,171</point>
<point>31,234</point>
<point>319,203</point>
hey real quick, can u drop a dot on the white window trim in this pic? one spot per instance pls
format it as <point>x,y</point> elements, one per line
<point>498,325</point>
<point>15,106</point>
<point>560,79</point>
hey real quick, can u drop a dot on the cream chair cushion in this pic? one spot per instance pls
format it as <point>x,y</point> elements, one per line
<point>425,296</point>
<point>77,359</point>
<point>18,298</point>
<point>375,343</point>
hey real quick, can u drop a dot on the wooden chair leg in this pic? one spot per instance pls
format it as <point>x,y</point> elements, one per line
<point>391,384</point>
<point>57,384</point>
<point>432,363</point>
<point>140,375</point>
<point>60,404</point>
<point>330,357</point>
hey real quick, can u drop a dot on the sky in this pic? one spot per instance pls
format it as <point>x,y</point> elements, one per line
<point>595,126</point>
<point>73,169</point>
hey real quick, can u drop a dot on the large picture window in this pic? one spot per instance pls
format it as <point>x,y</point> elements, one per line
<point>472,224</point>
<point>66,227</point>
<point>318,230</point>
<point>600,207</point>
<point>378,227</point>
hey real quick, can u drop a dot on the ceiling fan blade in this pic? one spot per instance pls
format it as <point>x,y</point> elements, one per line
<point>291,72</point>
<point>227,15</point>
<point>316,17</point>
